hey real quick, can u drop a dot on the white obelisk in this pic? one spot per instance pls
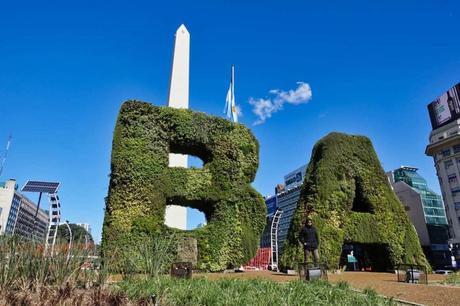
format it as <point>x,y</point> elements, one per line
<point>176,216</point>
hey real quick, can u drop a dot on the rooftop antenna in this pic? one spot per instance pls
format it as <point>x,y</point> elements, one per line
<point>5,155</point>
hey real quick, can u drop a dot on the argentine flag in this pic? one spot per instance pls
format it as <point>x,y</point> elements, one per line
<point>230,107</point>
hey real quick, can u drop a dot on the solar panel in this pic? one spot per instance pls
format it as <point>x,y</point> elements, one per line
<point>37,186</point>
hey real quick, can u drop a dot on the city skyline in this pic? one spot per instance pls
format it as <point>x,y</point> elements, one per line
<point>66,70</point>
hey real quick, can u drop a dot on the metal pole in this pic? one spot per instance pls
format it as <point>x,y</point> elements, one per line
<point>32,233</point>
<point>5,156</point>
<point>70,240</point>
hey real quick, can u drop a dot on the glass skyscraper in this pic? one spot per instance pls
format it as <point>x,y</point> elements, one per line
<point>287,196</point>
<point>433,207</point>
<point>426,210</point>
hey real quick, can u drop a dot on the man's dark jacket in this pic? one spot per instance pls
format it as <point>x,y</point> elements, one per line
<point>309,237</point>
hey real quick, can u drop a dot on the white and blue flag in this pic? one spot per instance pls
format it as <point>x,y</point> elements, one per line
<point>230,106</point>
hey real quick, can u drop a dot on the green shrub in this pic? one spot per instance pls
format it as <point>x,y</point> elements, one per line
<point>452,279</point>
<point>343,285</point>
<point>23,265</point>
<point>370,292</point>
<point>142,184</point>
<point>150,255</point>
<point>347,194</point>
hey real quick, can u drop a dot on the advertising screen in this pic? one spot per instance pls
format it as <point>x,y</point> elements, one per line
<point>446,108</point>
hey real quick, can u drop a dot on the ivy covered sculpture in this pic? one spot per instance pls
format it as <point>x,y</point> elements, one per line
<point>142,184</point>
<point>347,195</point>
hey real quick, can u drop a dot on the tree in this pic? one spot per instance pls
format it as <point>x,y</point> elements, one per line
<point>78,234</point>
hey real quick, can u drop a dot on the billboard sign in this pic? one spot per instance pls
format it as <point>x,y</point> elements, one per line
<point>271,206</point>
<point>446,108</point>
<point>295,178</point>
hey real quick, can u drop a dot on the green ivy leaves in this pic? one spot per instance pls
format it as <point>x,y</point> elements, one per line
<point>142,184</point>
<point>345,171</point>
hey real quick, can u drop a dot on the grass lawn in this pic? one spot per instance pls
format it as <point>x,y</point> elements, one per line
<point>169,291</point>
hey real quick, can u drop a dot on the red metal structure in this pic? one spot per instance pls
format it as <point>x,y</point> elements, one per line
<point>261,261</point>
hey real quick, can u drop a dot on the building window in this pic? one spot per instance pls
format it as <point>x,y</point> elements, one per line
<point>455,191</point>
<point>445,152</point>
<point>448,164</point>
<point>457,205</point>
<point>452,179</point>
<point>457,149</point>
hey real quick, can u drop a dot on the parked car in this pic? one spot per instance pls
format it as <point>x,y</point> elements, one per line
<point>445,272</point>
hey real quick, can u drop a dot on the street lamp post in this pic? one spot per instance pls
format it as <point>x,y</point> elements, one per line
<point>70,238</point>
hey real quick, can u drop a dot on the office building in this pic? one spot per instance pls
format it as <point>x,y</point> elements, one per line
<point>287,203</point>
<point>7,190</point>
<point>265,238</point>
<point>444,147</point>
<point>287,198</point>
<point>426,212</point>
<point>86,226</point>
<point>17,216</point>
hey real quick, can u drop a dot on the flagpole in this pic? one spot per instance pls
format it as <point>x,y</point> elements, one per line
<point>230,106</point>
<point>234,116</point>
<point>233,81</point>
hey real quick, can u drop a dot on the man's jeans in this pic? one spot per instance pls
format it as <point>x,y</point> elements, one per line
<point>307,252</point>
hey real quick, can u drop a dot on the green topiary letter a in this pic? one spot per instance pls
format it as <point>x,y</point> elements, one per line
<point>348,196</point>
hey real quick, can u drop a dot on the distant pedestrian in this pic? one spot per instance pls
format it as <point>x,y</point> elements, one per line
<point>309,238</point>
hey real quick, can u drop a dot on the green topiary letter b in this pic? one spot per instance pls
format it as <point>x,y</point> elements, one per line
<point>142,184</point>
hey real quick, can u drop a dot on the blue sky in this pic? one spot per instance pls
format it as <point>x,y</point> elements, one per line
<point>65,69</point>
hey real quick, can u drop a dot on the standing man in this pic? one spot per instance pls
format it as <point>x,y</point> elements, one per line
<point>309,238</point>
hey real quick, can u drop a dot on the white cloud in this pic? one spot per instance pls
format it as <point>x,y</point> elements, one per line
<point>264,108</point>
